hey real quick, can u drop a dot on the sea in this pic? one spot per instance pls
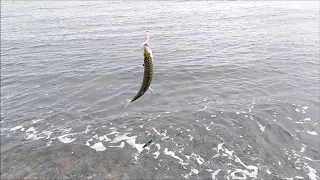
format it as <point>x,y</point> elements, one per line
<point>236,90</point>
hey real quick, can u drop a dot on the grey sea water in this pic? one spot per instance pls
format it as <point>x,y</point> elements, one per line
<point>236,90</point>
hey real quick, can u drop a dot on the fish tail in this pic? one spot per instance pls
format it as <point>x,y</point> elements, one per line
<point>128,102</point>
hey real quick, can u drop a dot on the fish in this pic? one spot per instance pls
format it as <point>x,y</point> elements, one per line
<point>148,73</point>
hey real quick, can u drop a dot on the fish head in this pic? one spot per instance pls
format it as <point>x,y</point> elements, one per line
<point>147,50</point>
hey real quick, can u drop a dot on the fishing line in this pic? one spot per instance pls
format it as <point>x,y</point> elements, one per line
<point>147,31</point>
<point>145,19</point>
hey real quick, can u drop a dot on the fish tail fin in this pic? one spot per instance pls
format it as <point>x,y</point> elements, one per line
<point>128,102</point>
<point>152,91</point>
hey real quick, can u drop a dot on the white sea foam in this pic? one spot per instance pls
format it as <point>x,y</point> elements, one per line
<point>113,132</point>
<point>262,128</point>
<point>95,136</point>
<point>65,138</point>
<point>312,172</point>
<point>132,142</point>
<point>303,148</point>
<point>98,146</point>
<point>105,138</point>
<point>215,173</point>
<point>16,128</point>
<point>242,172</point>
<point>64,130</point>
<point>157,153</point>
<point>314,133</point>
<point>36,121</point>
<point>228,152</point>
<point>193,171</point>
<point>129,140</point>
<point>46,134</point>
<point>252,171</point>
<point>31,129</point>
<point>49,143</point>
<point>88,141</point>
<point>310,159</point>
<point>203,108</point>
<point>268,172</point>
<point>307,119</point>
<point>198,158</point>
<point>87,129</point>
<point>172,154</point>
<point>191,137</point>
<point>121,138</point>
<point>31,134</point>
<point>252,168</point>
<point>120,146</point>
